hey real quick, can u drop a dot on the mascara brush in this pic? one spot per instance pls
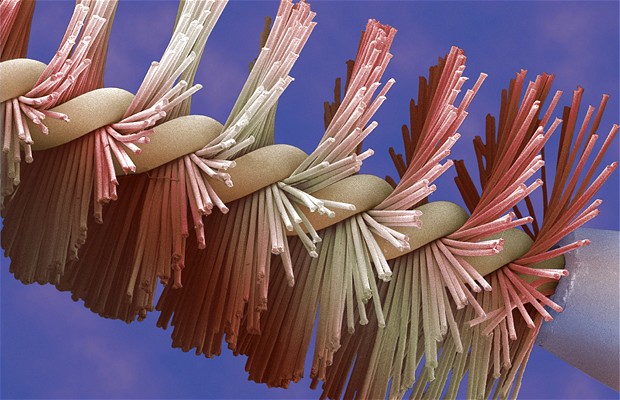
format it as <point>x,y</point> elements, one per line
<point>427,267</point>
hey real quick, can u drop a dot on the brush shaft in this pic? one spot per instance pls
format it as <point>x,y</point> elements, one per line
<point>586,333</point>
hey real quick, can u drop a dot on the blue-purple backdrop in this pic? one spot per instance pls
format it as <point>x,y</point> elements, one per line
<point>54,348</point>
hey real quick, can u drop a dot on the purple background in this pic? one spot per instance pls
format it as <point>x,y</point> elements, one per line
<point>54,348</point>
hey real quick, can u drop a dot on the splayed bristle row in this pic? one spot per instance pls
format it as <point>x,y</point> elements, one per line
<point>76,68</point>
<point>64,215</point>
<point>15,28</point>
<point>432,131</point>
<point>524,284</point>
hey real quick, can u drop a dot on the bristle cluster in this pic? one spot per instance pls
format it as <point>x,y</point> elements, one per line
<point>242,276</point>
<point>264,217</point>
<point>435,292</point>
<point>155,239</point>
<point>250,124</point>
<point>163,227</point>
<point>16,18</point>
<point>63,176</point>
<point>65,77</point>
<point>350,258</point>
<point>165,91</point>
<point>495,347</point>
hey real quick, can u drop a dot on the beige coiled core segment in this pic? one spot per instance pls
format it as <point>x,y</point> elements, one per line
<point>439,219</point>
<point>253,171</point>
<point>18,77</point>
